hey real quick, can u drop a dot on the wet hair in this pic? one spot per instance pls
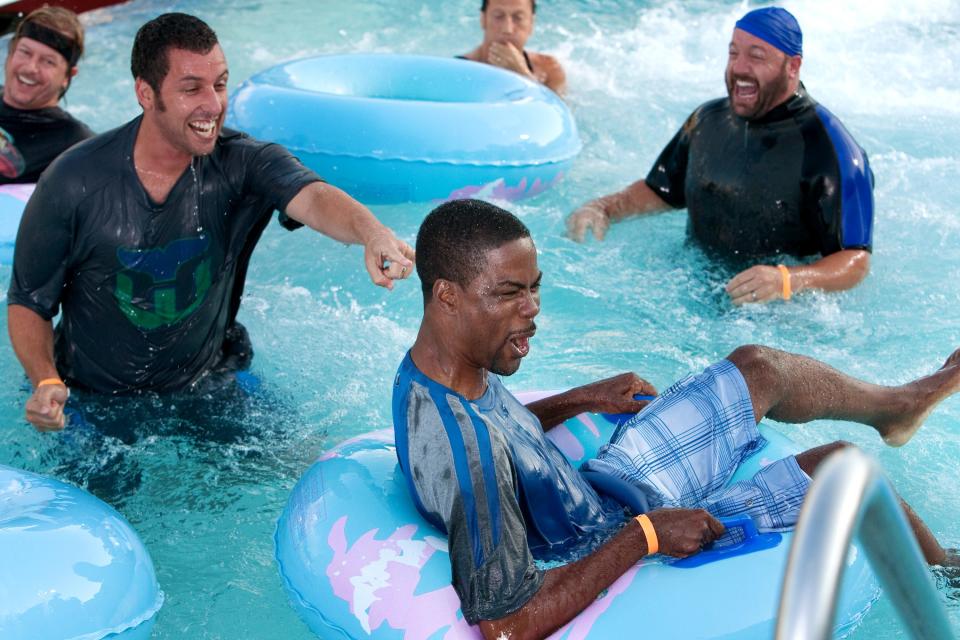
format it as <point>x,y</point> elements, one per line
<point>63,21</point>
<point>455,237</point>
<point>149,59</point>
<point>533,6</point>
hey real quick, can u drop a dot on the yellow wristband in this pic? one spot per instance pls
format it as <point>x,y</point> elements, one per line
<point>785,273</point>
<point>653,544</point>
<point>47,381</point>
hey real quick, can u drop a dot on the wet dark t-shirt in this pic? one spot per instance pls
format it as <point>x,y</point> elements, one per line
<point>792,182</point>
<point>31,139</point>
<point>147,291</point>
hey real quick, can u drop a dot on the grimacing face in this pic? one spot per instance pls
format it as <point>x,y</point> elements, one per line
<point>507,21</point>
<point>758,76</point>
<point>192,102</point>
<point>498,307</point>
<point>34,75</point>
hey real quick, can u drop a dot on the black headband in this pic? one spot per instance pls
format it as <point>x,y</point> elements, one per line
<point>53,39</point>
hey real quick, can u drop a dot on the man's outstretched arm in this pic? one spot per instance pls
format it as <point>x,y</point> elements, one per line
<point>568,590</point>
<point>838,271</point>
<point>327,209</point>
<point>611,395</point>
<point>32,340</point>
<point>597,215</point>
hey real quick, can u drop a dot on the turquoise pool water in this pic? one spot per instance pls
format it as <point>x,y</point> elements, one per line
<point>328,342</point>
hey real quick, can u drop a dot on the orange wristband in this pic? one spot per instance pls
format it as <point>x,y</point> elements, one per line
<point>785,273</point>
<point>653,544</point>
<point>47,381</point>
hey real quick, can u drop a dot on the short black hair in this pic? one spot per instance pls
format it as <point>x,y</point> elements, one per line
<point>533,6</point>
<point>455,237</point>
<point>149,59</point>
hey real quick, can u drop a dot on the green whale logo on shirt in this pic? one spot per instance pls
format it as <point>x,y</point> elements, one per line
<point>161,287</point>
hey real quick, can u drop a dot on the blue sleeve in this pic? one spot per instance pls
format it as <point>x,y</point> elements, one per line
<point>460,477</point>
<point>843,199</point>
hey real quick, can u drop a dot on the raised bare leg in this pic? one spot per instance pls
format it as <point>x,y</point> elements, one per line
<point>793,388</point>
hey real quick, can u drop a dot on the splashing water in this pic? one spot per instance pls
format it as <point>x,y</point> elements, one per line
<point>203,480</point>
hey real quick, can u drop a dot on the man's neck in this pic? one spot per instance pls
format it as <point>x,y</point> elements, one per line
<point>437,359</point>
<point>152,152</point>
<point>158,164</point>
<point>7,102</point>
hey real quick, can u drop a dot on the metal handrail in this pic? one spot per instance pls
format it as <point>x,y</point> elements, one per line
<point>851,496</point>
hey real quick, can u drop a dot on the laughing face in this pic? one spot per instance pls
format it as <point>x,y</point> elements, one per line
<point>34,75</point>
<point>759,76</point>
<point>192,102</point>
<point>499,306</point>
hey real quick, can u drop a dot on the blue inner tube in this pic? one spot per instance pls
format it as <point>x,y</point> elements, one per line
<point>358,561</point>
<point>399,128</point>
<point>70,566</point>
<point>13,198</point>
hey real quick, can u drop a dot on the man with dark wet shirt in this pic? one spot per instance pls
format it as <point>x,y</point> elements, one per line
<point>507,25</point>
<point>41,62</point>
<point>141,237</point>
<point>764,172</point>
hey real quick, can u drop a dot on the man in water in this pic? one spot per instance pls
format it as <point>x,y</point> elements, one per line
<point>479,467</point>
<point>141,237</point>
<point>765,171</point>
<point>41,62</point>
<point>507,25</point>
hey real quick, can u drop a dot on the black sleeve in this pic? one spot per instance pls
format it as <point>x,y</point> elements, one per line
<point>668,176</point>
<point>42,253</point>
<point>274,173</point>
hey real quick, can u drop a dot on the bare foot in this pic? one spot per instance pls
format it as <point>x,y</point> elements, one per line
<point>924,394</point>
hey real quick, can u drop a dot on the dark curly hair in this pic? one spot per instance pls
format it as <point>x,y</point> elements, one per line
<point>149,59</point>
<point>455,237</point>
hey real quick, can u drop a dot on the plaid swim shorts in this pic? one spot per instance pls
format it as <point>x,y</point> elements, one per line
<point>684,447</point>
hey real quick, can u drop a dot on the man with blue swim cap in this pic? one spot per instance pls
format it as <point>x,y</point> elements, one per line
<point>763,173</point>
<point>140,238</point>
<point>479,467</point>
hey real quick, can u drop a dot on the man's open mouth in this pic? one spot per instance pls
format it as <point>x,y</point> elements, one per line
<point>521,342</point>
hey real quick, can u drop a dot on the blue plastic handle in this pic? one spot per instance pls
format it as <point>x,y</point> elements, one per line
<point>752,541</point>
<point>617,418</point>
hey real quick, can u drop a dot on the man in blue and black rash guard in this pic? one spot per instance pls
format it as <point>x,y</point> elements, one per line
<point>479,467</point>
<point>762,172</point>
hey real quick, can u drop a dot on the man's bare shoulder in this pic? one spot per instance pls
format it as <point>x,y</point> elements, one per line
<point>548,70</point>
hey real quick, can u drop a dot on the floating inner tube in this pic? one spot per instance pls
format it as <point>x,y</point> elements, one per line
<point>70,566</point>
<point>359,561</point>
<point>13,198</point>
<point>402,128</point>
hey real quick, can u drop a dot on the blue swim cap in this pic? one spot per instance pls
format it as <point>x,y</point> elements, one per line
<point>775,26</point>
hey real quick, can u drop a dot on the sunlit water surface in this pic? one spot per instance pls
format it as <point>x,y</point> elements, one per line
<point>205,501</point>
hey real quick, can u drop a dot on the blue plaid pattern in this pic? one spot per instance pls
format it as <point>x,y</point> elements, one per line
<point>683,448</point>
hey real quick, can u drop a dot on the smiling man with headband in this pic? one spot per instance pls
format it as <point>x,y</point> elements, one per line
<point>41,62</point>
<point>764,172</point>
